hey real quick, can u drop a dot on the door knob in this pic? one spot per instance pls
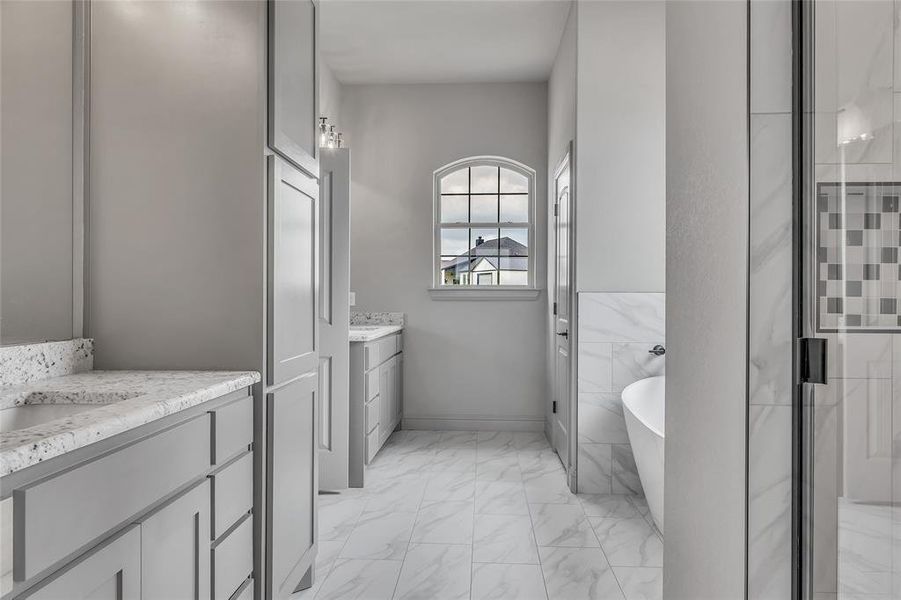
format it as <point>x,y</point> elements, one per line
<point>564,334</point>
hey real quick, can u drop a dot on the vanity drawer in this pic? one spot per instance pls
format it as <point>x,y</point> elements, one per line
<point>231,494</point>
<point>372,444</point>
<point>372,384</point>
<point>387,347</point>
<point>232,426</point>
<point>233,561</point>
<point>372,414</point>
<point>371,357</point>
<point>61,514</point>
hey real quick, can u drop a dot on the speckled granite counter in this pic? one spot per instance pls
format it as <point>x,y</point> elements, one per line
<point>124,399</point>
<point>368,333</point>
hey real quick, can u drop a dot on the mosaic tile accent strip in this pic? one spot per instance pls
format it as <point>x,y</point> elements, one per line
<point>859,273</point>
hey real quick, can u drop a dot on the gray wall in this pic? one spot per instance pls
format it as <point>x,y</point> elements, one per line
<point>561,110</point>
<point>36,171</point>
<point>707,275</point>
<point>465,361</point>
<point>621,162</point>
<point>177,262</point>
<point>330,96</point>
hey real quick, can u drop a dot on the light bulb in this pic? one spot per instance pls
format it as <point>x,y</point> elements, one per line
<point>323,131</point>
<point>331,136</point>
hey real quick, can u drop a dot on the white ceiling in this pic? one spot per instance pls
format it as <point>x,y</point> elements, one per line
<point>441,41</point>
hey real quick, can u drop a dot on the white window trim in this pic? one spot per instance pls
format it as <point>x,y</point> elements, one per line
<point>475,292</point>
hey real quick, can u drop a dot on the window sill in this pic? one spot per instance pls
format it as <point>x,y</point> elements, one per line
<point>474,293</point>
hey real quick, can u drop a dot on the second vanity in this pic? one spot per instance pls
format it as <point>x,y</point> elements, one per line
<point>376,392</point>
<point>127,484</point>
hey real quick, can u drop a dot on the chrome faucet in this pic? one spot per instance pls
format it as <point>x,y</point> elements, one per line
<point>657,350</point>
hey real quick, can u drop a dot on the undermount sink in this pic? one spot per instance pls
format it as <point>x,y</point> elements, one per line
<point>37,408</point>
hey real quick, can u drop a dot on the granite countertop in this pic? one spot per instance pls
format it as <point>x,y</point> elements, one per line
<point>368,333</point>
<point>124,399</point>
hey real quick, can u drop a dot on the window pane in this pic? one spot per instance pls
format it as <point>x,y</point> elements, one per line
<point>484,209</point>
<point>513,182</point>
<point>514,242</point>
<point>454,209</point>
<point>484,179</point>
<point>515,209</point>
<point>453,270</point>
<point>454,242</point>
<point>456,182</point>
<point>483,242</point>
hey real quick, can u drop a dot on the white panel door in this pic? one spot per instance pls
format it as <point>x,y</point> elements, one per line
<point>334,317</point>
<point>562,313</point>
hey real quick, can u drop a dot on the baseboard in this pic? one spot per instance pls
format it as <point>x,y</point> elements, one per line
<point>476,423</point>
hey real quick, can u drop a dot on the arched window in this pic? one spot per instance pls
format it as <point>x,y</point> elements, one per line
<point>484,225</point>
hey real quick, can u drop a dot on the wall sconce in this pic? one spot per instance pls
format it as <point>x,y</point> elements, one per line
<point>332,137</point>
<point>323,132</point>
<point>339,143</point>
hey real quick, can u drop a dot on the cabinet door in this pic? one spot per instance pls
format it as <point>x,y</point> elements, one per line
<point>175,548</point>
<point>294,486</point>
<point>293,272</point>
<point>111,572</point>
<point>293,88</point>
<point>384,399</point>
<point>399,388</point>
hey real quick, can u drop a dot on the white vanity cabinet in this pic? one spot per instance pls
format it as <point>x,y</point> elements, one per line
<point>160,512</point>
<point>376,399</point>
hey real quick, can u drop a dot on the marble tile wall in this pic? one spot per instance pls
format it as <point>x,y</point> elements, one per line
<point>616,330</point>
<point>770,303</point>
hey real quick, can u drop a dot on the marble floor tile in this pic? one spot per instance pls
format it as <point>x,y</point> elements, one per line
<point>338,518</point>
<point>360,579</point>
<point>451,486</point>
<point>495,442</point>
<point>629,542</point>
<point>499,467</point>
<point>435,572</point>
<point>610,506</point>
<point>640,583</point>
<point>458,439</point>
<point>530,440</point>
<point>444,523</point>
<point>535,463</point>
<point>507,582</point>
<point>504,539</point>
<point>549,489</point>
<point>380,536</point>
<point>500,498</point>
<point>562,525</point>
<point>403,495</point>
<point>454,459</point>
<point>581,573</point>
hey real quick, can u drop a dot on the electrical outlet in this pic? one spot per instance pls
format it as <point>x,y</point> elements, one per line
<point>353,298</point>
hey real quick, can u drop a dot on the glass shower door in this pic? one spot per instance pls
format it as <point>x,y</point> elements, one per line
<point>850,295</point>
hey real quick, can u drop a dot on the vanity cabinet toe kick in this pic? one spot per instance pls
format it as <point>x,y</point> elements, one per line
<point>376,399</point>
<point>160,512</point>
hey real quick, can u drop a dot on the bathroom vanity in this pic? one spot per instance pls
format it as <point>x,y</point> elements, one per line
<point>127,484</point>
<point>376,392</point>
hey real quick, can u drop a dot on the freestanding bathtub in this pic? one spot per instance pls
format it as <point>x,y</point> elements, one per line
<point>644,409</point>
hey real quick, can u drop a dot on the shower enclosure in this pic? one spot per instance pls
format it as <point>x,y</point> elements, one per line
<point>847,293</point>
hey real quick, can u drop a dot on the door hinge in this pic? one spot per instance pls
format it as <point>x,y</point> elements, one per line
<point>812,360</point>
<point>554,407</point>
<point>555,308</point>
<point>556,209</point>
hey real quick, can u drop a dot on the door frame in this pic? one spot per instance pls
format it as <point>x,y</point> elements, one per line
<point>572,466</point>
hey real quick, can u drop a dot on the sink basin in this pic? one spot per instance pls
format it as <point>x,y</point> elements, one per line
<point>29,415</point>
<point>37,408</point>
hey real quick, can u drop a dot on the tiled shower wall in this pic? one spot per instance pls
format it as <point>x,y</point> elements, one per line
<point>858,91</point>
<point>770,303</point>
<point>616,330</point>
